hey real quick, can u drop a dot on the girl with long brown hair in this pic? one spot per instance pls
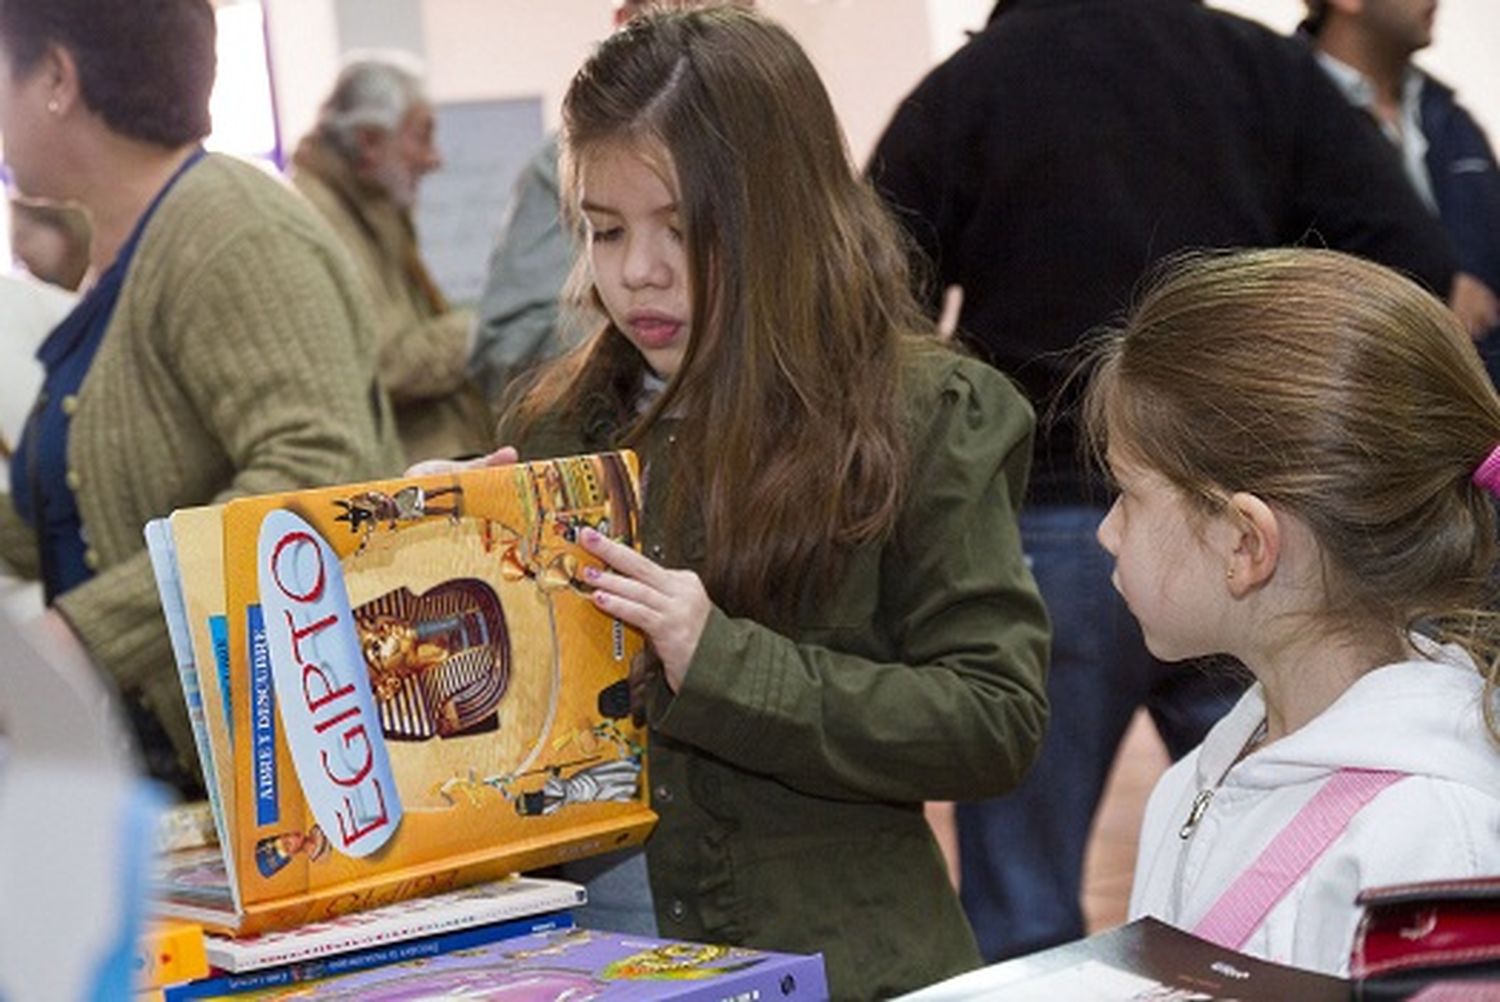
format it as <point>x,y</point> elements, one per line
<point>1308,456</point>
<point>832,583</point>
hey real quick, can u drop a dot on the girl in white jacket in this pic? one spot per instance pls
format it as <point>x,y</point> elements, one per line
<point>1307,450</point>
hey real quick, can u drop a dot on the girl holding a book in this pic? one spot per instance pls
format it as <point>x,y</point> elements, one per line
<point>832,582</point>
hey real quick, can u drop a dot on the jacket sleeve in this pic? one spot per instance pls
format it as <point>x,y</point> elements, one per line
<point>284,384</point>
<point>959,713</point>
<point>518,323</point>
<point>1351,193</point>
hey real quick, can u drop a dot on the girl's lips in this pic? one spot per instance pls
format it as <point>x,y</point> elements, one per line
<point>655,332</point>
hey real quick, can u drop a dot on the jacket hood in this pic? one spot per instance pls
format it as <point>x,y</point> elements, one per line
<point>1421,717</point>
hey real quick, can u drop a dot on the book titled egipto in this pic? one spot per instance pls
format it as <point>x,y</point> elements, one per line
<point>400,687</point>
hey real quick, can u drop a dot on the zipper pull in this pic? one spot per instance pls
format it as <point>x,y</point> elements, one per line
<point>1200,805</point>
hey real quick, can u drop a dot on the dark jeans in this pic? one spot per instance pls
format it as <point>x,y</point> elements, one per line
<point>1022,854</point>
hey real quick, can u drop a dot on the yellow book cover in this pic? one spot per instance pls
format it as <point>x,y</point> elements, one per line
<point>421,693</point>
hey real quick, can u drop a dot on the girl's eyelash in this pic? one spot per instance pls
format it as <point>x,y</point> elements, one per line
<point>604,235</point>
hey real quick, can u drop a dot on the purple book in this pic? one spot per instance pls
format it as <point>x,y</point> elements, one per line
<point>581,965</point>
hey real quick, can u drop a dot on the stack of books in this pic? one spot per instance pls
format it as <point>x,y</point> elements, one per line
<point>576,965</point>
<point>416,929</point>
<point>401,693</point>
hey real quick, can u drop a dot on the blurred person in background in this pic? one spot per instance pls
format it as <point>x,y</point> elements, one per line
<point>51,241</point>
<point>1366,47</point>
<point>360,167</point>
<point>223,349</point>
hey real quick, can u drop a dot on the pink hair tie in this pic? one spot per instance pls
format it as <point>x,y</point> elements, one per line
<point>1488,473</point>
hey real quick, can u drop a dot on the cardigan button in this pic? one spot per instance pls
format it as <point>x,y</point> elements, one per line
<point>91,559</point>
<point>70,404</point>
<point>656,551</point>
<point>662,794</point>
<point>73,480</point>
<point>677,910</point>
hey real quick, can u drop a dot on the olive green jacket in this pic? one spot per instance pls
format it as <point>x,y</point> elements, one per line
<point>239,360</point>
<point>789,770</point>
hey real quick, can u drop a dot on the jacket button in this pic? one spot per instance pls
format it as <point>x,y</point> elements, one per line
<point>73,480</point>
<point>677,910</point>
<point>70,404</point>
<point>91,559</point>
<point>662,794</point>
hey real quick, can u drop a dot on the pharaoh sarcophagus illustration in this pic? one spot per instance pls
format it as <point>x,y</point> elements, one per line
<point>439,662</point>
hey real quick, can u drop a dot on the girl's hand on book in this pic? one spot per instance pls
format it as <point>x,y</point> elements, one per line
<point>503,456</point>
<point>669,607</point>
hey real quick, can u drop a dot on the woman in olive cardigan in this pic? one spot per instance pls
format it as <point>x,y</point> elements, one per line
<point>832,581</point>
<point>222,349</point>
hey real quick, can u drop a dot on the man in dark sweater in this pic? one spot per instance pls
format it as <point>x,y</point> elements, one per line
<point>1044,169</point>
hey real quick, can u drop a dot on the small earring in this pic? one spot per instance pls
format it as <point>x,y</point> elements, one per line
<point>54,106</point>
<point>1229,574</point>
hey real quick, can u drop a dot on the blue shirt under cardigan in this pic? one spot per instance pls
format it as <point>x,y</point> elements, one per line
<point>42,486</point>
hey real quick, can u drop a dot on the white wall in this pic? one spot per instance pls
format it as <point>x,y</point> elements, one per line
<point>870,52</point>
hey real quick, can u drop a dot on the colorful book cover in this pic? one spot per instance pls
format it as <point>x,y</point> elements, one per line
<point>489,902</point>
<point>433,945</point>
<point>580,965</point>
<point>420,693</point>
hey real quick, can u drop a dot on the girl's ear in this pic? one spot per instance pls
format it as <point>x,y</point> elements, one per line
<point>61,75</point>
<point>1255,544</point>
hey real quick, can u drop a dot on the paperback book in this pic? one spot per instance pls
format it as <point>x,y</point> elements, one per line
<point>1141,961</point>
<point>579,965</point>
<point>400,687</point>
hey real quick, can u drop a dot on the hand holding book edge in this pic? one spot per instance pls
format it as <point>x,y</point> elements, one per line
<point>670,606</point>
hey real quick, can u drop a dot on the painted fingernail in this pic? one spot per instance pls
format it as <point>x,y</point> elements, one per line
<point>592,573</point>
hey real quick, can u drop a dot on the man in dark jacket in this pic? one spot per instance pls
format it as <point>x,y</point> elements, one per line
<point>1366,48</point>
<point>1044,169</point>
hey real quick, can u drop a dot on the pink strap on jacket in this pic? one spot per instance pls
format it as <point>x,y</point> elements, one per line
<point>1245,904</point>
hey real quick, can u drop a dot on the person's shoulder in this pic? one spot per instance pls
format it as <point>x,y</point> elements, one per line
<point>223,202</point>
<point>934,373</point>
<point>958,410</point>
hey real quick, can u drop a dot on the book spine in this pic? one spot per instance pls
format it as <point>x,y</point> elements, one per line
<point>359,960</point>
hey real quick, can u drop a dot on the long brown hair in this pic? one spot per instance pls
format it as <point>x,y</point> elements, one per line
<point>791,441</point>
<point>1338,391</point>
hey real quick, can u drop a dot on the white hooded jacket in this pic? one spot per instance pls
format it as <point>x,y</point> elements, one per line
<point>1421,718</point>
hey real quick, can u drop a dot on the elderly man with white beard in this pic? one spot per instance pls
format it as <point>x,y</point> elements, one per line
<point>360,167</point>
